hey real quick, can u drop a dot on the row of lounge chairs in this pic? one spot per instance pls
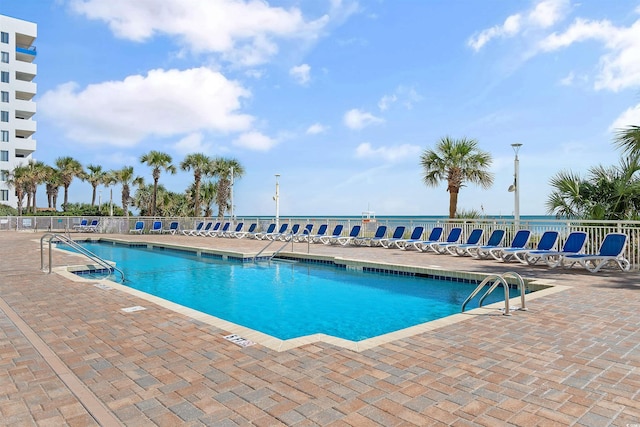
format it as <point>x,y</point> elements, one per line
<point>87,227</point>
<point>610,252</point>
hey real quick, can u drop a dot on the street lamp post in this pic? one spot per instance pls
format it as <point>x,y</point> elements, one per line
<point>232,216</point>
<point>277,199</point>
<point>515,187</point>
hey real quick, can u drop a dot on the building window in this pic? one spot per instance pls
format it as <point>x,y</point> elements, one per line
<point>4,156</point>
<point>5,96</point>
<point>4,195</point>
<point>4,116</point>
<point>4,76</point>
<point>4,175</point>
<point>5,57</point>
<point>4,37</point>
<point>5,136</point>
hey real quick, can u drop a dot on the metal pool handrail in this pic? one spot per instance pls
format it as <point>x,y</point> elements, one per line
<point>499,280</point>
<point>82,250</point>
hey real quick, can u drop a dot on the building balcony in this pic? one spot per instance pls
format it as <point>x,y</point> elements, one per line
<point>25,128</point>
<point>27,69</point>
<point>25,53</point>
<point>26,87</point>
<point>25,77</point>
<point>24,109</point>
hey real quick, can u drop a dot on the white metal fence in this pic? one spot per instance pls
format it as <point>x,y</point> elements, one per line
<point>596,230</point>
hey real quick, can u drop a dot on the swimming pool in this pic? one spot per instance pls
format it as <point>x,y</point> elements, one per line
<point>289,299</point>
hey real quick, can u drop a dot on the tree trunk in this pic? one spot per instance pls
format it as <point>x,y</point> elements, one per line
<point>453,203</point>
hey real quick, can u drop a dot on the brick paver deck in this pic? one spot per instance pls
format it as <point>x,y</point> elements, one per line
<point>69,355</point>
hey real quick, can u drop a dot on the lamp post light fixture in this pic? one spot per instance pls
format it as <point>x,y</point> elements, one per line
<point>277,199</point>
<point>231,195</point>
<point>515,187</point>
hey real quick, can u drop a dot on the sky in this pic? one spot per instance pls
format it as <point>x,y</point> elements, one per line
<point>338,97</point>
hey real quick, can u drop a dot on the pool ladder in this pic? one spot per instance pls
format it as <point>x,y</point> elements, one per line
<point>499,280</point>
<point>81,249</point>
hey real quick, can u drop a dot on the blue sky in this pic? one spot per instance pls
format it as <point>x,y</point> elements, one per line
<point>338,97</point>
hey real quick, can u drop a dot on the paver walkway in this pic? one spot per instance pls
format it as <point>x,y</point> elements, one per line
<point>69,355</point>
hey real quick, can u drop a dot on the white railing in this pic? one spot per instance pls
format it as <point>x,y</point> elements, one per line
<point>596,230</point>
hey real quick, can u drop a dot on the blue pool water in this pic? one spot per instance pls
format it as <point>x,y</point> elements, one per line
<point>289,300</point>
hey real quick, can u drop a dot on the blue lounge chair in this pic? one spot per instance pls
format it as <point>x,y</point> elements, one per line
<point>381,231</point>
<point>205,230</point>
<point>400,243</point>
<point>232,233</point>
<point>93,226</point>
<point>547,242</point>
<point>434,236</point>
<point>173,228</point>
<point>473,239</point>
<point>610,253</point>
<point>287,236</point>
<point>315,238</point>
<point>195,230</point>
<point>304,234</point>
<point>519,242</point>
<point>260,234</point>
<point>276,235</point>
<point>573,245</point>
<point>494,241</point>
<point>344,240</point>
<point>398,233</point>
<point>452,237</point>
<point>221,229</point>
<point>337,231</point>
<point>138,228</point>
<point>248,233</point>
<point>82,225</point>
<point>156,227</point>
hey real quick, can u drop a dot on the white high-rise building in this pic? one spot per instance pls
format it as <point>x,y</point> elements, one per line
<point>17,107</point>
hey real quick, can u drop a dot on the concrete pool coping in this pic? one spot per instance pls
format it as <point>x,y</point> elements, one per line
<point>538,288</point>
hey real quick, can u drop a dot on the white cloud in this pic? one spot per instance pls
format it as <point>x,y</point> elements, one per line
<point>568,80</point>
<point>192,143</point>
<point>389,154</point>
<point>316,128</point>
<point>255,141</point>
<point>406,96</point>
<point>619,67</point>
<point>243,31</point>
<point>162,103</point>
<point>301,73</point>
<point>544,14</point>
<point>631,116</point>
<point>357,119</point>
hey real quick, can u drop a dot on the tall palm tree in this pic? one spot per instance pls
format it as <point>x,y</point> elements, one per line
<point>125,177</point>
<point>629,140</point>
<point>68,168</point>
<point>208,194</point>
<point>222,168</point>
<point>95,176</point>
<point>158,161</point>
<point>54,182</point>
<point>201,165</point>
<point>36,174</point>
<point>17,180</point>
<point>456,161</point>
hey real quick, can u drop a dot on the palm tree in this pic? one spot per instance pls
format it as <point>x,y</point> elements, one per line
<point>201,165</point>
<point>457,162</point>
<point>35,174</point>
<point>222,168</point>
<point>629,140</point>
<point>17,180</point>
<point>608,193</point>
<point>54,182</point>
<point>126,178</point>
<point>208,194</point>
<point>95,176</point>
<point>68,168</point>
<point>158,161</point>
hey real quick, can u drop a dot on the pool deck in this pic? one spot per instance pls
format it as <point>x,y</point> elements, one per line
<point>70,355</point>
